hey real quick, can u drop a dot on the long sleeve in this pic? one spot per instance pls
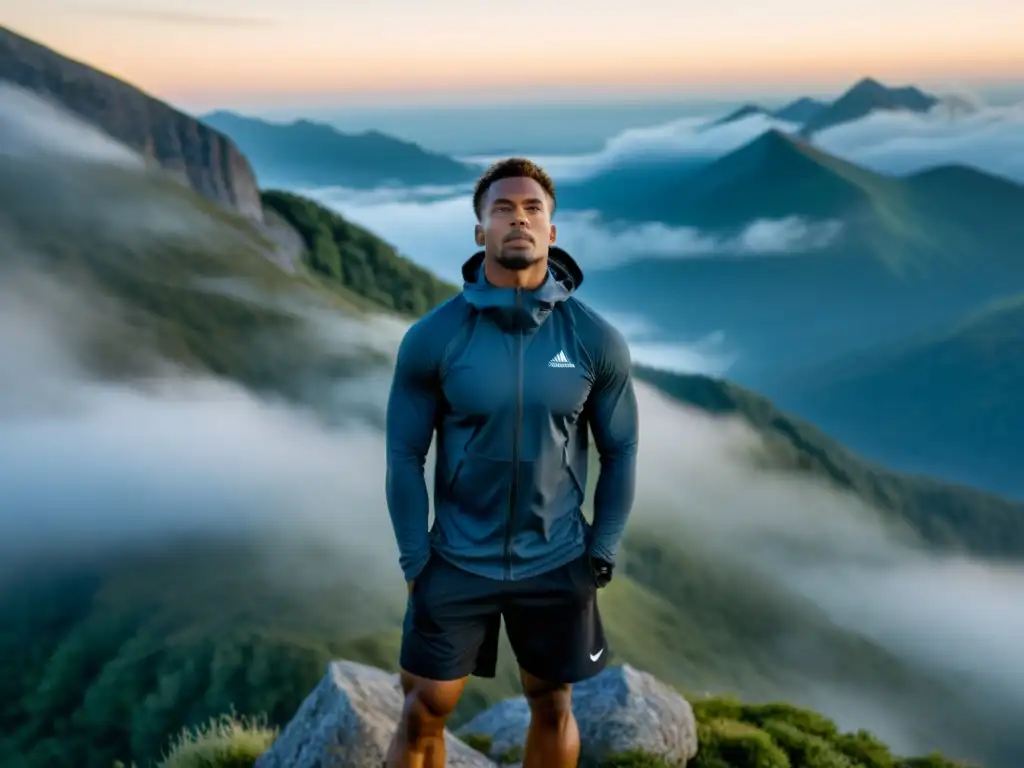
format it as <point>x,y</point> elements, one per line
<point>615,425</point>
<point>412,406</point>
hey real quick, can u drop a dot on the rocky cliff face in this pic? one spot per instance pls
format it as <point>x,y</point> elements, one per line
<point>348,720</point>
<point>197,155</point>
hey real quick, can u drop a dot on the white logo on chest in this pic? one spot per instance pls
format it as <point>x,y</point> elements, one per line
<point>560,361</point>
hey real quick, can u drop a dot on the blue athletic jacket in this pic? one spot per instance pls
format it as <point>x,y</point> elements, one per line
<point>509,380</point>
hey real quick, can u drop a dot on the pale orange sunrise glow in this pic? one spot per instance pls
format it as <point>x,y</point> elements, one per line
<point>311,46</point>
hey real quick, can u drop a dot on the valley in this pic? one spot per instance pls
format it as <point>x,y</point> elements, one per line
<point>192,452</point>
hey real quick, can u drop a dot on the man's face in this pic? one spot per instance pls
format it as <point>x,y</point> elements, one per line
<point>515,226</point>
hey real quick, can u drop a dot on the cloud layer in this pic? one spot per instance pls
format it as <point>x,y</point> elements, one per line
<point>437,232</point>
<point>955,616</point>
<point>31,126</point>
<point>88,464</point>
<point>988,138</point>
<point>688,138</point>
<point>604,246</point>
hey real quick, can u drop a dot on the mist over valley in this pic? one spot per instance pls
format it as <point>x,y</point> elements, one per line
<point>194,370</point>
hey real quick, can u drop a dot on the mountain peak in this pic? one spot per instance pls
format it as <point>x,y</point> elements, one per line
<point>776,135</point>
<point>741,113</point>
<point>867,85</point>
<point>907,96</point>
<point>772,146</point>
<point>803,181</point>
<point>866,96</point>
<point>780,150</point>
<point>745,111</point>
<point>777,140</point>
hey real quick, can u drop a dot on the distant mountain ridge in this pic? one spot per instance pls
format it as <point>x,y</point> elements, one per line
<point>848,259</point>
<point>799,111</point>
<point>772,176</point>
<point>875,334</point>
<point>740,113</point>
<point>944,514</point>
<point>196,154</point>
<point>864,97</point>
<point>652,189</point>
<point>662,188</point>
<point>952,400</point>
<point>307,152</point>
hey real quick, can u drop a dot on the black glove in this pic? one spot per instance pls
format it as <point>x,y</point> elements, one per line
<point>602,570</point>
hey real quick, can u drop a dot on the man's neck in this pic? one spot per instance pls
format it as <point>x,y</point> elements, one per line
<point>530,278</point>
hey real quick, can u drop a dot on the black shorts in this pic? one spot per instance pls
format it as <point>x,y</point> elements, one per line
<point>453,619</point>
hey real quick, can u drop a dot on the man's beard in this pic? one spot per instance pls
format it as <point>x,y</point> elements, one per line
<point>518,259</point>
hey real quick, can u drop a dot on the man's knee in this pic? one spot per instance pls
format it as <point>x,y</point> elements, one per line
<point>428,705</point>
<point>550,704</point>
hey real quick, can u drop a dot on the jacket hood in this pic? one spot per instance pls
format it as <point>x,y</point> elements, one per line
<point>526,308</point>
<point>561,266</point>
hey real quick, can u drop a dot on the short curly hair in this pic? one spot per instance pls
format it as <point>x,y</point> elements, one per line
<point>512,168</point>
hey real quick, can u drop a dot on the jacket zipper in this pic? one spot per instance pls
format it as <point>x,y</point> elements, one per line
<point>513,496</point>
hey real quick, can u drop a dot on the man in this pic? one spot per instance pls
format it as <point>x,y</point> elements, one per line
<point>510,374</point>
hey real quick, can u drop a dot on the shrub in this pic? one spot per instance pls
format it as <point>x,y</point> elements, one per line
<point>865,749</point>
<point>802,719</point>
<point>635,759</point>
<point>806,749</point>
<point>779,735</point>
<point>224,742</point>
<point>716,708</point>
<point>731,744</point>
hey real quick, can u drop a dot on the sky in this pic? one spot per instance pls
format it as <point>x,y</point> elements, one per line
<point>269,52</point>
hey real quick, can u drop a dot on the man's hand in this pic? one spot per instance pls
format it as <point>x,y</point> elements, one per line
<point>602,571</point>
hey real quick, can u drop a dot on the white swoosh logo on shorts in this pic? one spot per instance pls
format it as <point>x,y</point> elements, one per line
<point>596,656</point>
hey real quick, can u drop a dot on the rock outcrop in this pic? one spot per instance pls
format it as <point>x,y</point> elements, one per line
<point>204,159</point>
<point>347,722</point>
<point>288,245</point>
<point>622,710</point>
<point>348,719</point>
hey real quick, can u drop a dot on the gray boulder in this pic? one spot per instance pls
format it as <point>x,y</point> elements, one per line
<point>347,722</point>
<point>618,711</point>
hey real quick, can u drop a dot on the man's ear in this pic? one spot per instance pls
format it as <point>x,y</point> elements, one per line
<point>479,235</point>
<point>551,237</point>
